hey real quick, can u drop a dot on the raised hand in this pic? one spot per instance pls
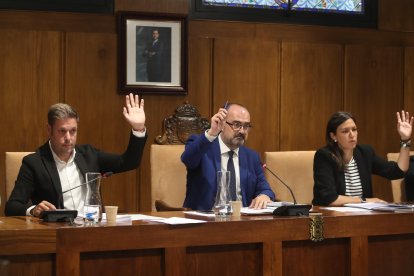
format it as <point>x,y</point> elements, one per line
<point>134,112</point>
<point>217,122</point>
<point>404,125</point>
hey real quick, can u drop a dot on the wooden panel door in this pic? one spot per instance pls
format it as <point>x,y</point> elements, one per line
<point>311,91</point>
<point>374,93</point>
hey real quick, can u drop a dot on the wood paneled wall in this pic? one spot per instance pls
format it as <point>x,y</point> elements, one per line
<point>291,77</point>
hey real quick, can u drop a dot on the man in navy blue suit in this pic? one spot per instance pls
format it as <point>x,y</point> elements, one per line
<point>154,54</point>
<point>208,153</point>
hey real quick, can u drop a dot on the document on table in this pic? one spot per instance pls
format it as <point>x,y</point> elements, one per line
<point>345,209</point>
<point>381,206</point>
<point>249,211</point>
<point>177,220</point>
<point>119,218</point>
<point>130,217</point>
<point>201,213</point>
<point>172,220</point>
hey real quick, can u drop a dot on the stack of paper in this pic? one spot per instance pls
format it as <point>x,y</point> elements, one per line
<point>382,206</point>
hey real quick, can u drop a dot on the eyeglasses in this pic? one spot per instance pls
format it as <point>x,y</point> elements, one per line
<point>237,126</point>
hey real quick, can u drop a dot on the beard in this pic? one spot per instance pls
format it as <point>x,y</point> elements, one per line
<point>239,139</point>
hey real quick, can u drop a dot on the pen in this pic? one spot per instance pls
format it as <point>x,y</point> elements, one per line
<point>225,105</point>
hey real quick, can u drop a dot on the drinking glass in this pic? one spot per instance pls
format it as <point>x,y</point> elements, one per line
<point>222,206</point>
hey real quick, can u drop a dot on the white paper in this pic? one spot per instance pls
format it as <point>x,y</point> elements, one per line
<point>177,220</point>
<point>276,204</point>
<point>366,205</point>
<point>249,211</point>
<point>143,217</point>
<point>345,209</point>
<point>126,217</point>
<point>381,206</point>
<point>202,214</point>
<point>119,218</point>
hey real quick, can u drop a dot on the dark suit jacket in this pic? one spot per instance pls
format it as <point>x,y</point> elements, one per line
<point>203,159</point>
<point>330,182</point>
<point>409,181</point>
<point>38,177</point>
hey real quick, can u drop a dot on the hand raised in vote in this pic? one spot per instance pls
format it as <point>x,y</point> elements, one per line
<point>404,125</point>
<point>134,112</point>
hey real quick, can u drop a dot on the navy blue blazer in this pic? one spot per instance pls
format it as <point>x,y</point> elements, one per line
<point>203,159</point>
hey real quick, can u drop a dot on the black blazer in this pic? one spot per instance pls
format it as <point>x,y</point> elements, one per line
<point>409,181</point>
<point>329,182</point>
<point>38,178</point>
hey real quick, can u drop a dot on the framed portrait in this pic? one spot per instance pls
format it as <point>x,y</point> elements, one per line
<point>152,53</point>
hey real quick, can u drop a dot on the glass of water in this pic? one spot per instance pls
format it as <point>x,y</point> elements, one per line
<point>222,207</point>
<point>93,202</point>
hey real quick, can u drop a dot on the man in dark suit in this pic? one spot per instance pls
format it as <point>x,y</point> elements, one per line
<point>154,53</point>
<point>210,152</point>
<point>60,164</point>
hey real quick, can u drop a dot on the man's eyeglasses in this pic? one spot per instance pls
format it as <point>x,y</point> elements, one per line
<point>236,126</point>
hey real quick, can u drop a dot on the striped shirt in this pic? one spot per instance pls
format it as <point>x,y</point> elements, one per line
<point>352,179</point>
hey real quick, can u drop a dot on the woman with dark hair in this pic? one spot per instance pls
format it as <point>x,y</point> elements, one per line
<point>342,169</point>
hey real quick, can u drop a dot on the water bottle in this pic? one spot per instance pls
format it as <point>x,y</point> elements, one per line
<point>93,203</point>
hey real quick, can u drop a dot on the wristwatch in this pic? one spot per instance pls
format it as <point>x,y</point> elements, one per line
<point>405,144</point>
<point>363,199</point>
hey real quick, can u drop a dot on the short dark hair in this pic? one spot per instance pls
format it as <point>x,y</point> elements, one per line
<point>61,111</point>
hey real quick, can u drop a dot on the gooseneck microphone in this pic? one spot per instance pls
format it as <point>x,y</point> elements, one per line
<point>281,181</point>
<point>64,215</point>
<point>104,175</point>
<point>289,210</point>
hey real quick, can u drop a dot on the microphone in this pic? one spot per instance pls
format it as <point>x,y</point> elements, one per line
<point>62,215</point>
<point>104,175</point>
<point>289,210</point>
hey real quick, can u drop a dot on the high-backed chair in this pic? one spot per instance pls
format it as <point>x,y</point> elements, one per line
<point>13,162</point>
<point>168,173</point>
<point>295,168</point>
<point>168,177</point>
<point>397,185</point>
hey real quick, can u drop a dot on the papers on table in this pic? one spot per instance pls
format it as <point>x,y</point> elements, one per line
<point>129,217</point>
<point>344,209</point>
<point>243,211</point>
<point>209,214</point>
<point>276,204</point>
<point>249,211</point>
<point>172,220</point>
<point>121,219</point>
<point>374,206</point>
<point>177,220</point>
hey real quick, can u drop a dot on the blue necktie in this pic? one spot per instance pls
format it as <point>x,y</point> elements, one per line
<point>230,168</point>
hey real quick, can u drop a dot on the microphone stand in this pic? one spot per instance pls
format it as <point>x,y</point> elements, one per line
<point>289,210</point>
<point>62,215</point>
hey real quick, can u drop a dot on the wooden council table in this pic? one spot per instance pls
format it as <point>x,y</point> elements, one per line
<point>353,244</point>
